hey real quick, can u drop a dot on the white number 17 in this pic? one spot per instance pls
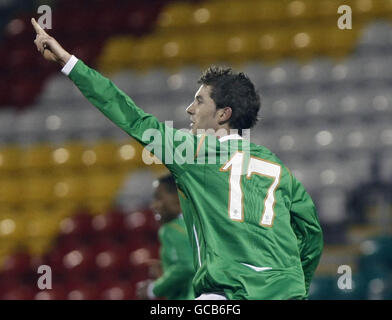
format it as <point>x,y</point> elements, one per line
<point>255,166</point>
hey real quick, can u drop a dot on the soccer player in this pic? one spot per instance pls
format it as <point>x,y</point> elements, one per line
<point>175,252</point>
<point>253,228</point>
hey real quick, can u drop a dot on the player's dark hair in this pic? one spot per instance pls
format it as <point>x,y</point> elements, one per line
<point>234,90</point>
<point>169,183</point>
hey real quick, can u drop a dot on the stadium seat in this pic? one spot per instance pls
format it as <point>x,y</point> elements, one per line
<point>148,52</point>
<point>274,45</point>
<point>37,188</point>
<point>7,123</point>
<point>69,188</point>
<point>116,54</point>
<point>380,287</point>
<point>337,44</point>
<point>30,123</point>
<point>328,9</point>
<point>331,205</point>
<point>322,288</point>
<point>58,292</point>
<point>315,71</point>
<point>375,38</point>
<point>17,265</point>
<point>10,157</point>
<point>358,291</point>
<point>110,223</point>
<point>68,156</point>
<point>118,290</point>
<point>100,155</point>
<point>56,88</point>
<point>301,10</point>
<point>37,157</point>
<point>386,165</point>
<point>232,12</point>
<point>306,42</point>
<point>20,292</point>
<point>176,15</point>
<point>380,101</point>
<point>210,48</point>
<point>141,220</point>
<point>112,259</point>
<point>268,11</point>
<point>369,9</point>
<point>78,262</point>
<point>102,185</point>
<point>10,191</point>
<point>83,291</point>
<point>77,225</point>
<point>136,189</point>
<point>376,255</point>
<point>153,82</point>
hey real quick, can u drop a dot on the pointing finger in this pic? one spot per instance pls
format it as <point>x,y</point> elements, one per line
<point>37,27</point>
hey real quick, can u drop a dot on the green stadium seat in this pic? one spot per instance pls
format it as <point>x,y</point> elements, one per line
<point>358,291</point>
<point>376,254</point>
<point>322,288</point>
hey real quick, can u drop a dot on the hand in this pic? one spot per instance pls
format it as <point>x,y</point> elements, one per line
<point>48,46</point>
<point>142,289</point>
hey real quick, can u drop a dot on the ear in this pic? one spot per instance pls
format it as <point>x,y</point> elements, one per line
<point>224,114</point>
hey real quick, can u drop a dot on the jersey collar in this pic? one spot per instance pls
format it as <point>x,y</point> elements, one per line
<point>234,136</point>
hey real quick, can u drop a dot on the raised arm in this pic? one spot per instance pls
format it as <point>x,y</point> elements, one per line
<point>116,105</point>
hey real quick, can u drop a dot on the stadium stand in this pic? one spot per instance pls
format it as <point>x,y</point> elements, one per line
<point>74,190</point>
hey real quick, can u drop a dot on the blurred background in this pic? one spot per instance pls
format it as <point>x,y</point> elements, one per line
<point>74,193</point>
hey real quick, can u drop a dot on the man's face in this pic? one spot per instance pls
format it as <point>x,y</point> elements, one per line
<point>166,204</point>
<point>202,111</point>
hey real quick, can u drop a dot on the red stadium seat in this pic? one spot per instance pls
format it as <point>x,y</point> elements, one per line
<point>112,259</point>
<point>20,292</point>
<point>57,292</point>
<point>118,290</point>
<point>110,223</point>
<point>84,291</point>
<point>142,256</point>
<point>17,265</point>
<point>77,262</point>
<point>79,224</point>
<point>5,97</point>
<point>23,91</point>
<point>144,219</point>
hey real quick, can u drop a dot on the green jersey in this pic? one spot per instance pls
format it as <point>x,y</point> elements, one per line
<point>177,262</point>
<point>253,228</point>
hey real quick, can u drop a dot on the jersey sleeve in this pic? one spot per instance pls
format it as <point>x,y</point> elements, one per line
<point>178,258</point>
<point>307,228</point>
<point>173,147</point>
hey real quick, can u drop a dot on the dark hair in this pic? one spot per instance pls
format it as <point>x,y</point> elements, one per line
<point>234,90</point>
<point>169,182</point>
